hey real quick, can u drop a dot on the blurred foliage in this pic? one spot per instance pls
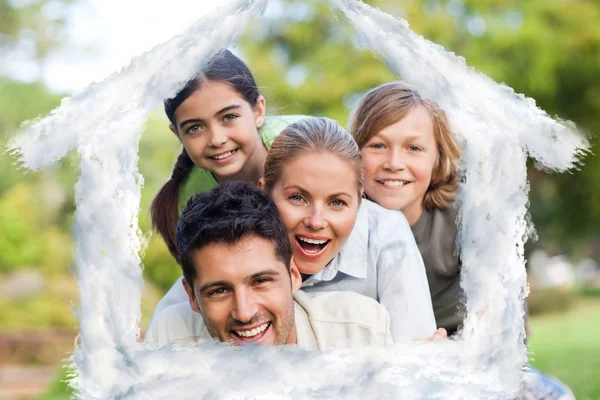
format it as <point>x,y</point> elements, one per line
<point>35,26</point>
<point>541,301</point>
<point>310,61</point>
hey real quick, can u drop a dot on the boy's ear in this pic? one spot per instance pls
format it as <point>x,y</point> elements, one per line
<point>295,275</point>
<point>191,296</point>
<point>261,183</point>
<point>259,111</point>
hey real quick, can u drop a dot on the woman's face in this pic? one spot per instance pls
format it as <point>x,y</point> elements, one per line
<point>399,162</point>
<point>218,128</point>
<point>317,197</point>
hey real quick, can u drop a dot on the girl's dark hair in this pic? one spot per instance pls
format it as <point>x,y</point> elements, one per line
<point>223,67</point>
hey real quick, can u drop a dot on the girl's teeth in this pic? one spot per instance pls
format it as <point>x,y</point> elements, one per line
<point>222,156</point>
<point>313,241</point>
<point>253,332</point>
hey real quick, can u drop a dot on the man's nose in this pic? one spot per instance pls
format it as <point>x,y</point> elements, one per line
<point>245,306</point>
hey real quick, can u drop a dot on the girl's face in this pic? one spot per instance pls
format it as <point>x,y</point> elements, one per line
<point>318,198</point>
<point>399,162</point>
<point>218,128</point>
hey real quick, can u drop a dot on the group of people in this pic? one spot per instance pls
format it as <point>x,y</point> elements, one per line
<point>293,231</point>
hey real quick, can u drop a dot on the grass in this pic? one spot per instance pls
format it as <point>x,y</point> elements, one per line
<point>566,345</point>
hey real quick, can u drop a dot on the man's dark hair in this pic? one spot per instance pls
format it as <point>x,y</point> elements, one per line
<point>227,214</point>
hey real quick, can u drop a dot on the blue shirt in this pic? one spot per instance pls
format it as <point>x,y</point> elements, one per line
<point>380,260</point>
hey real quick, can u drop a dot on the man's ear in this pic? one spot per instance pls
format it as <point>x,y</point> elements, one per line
<point>260,110</point>
<point>295,275</point>
<point>261,183</point>
<point>191,296</point>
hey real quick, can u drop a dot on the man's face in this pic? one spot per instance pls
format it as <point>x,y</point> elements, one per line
<point>245,293</point>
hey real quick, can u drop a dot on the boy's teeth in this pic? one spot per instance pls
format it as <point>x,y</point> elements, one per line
<point>313,241</point>
<point>394,183</point>
<point>222,156</point>
<point>253,332</point>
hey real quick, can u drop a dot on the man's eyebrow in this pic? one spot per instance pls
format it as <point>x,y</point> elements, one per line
<point>228,108</point>
<point>212,285</point>
<point>271,272</point>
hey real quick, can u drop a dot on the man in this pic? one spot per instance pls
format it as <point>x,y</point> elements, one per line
<point>243,286</point>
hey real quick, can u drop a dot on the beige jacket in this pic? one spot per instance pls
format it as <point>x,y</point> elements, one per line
<point>323,320</point>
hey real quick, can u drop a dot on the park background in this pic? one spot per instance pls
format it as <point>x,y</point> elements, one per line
<point>306,61</point>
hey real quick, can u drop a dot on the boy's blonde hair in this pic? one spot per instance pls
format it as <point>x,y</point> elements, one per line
<point>389,103</point>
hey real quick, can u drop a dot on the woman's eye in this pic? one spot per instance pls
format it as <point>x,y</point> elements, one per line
<point>295,197</point>
<point>337,203</point>
<point>229,117</point>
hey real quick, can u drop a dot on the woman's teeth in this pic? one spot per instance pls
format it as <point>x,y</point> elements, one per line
<point>312,246</point>
<point>253,332</point>
<point>224,155</point>
<point>313,241</point>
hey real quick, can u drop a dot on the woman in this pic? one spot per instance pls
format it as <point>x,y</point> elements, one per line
<point>314,174</point>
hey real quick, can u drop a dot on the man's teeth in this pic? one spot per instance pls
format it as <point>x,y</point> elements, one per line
<point>313,241</point>
<point>225,155</point>
<point>394,183</point>
<point>253,332</point>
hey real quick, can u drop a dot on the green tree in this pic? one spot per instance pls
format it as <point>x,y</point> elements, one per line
<point>309,62</point>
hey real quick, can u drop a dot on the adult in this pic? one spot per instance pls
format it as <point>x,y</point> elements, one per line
<point>242,284</point>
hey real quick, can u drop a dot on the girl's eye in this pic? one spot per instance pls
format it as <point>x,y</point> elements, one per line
<point>193,129</point>
<point>414,148</point>
<point>229,117</point>
<point>337,203</point>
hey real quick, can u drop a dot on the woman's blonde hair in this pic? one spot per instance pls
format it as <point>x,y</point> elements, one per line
<point>389,103</point>
<point>315,135</point>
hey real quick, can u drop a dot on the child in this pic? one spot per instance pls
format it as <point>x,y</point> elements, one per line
<point>410,158</point>
<point>219,117</point>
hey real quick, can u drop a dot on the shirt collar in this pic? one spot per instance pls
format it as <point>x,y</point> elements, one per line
<point>352,259</point>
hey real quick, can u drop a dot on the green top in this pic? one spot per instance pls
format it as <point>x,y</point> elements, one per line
<point>201,180</point>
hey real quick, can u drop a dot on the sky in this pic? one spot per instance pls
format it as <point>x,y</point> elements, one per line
<point>103,36</point>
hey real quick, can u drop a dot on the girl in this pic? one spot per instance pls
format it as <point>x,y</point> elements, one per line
<point>410,158</point>
<point>217,117</point>
<point>314,174</point>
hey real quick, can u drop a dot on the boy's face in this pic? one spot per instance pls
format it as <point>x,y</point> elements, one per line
<point>399,162</point>
<point>245,293</point>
